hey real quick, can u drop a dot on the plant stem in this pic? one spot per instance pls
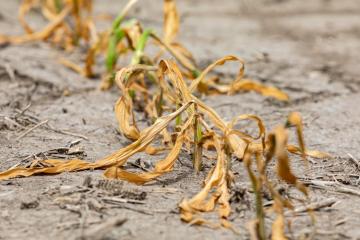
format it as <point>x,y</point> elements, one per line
<point>159,104</point>
<point>260,215</point>
<point>132,93</point>
<point>111,55</point>
<point>197,156</point>
<point>261,231</point>
<point>116,35</point>
<point>118,20</point>
<point>196,73</point>
<point>140,46</point>
<point>178,119</point>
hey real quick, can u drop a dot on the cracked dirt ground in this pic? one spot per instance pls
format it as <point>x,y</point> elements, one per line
<point>309,49</point>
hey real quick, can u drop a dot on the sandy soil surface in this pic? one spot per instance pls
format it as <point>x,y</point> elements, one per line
<point>309,49</point>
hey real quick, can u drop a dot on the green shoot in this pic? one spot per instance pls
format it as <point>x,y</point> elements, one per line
<point>140,46</point>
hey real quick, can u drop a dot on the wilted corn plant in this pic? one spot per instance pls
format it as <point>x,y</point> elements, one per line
<point>200,127</point>
<point>69,22</point>
<point>156,89</point>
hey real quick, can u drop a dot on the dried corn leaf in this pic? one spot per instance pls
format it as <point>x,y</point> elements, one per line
<point>24,8</point>
<point>161,167</point>
<point>283,166</point>
<point>249,85</point>
<point>145,138</point>
<point>278,228</point>
<point>252,228</point>
<point>201,79</point>
<point>184,51</point>
<point>126,118</point>
<point>73,66</point>
<point>207,86</point>
<point>174,51</point>
<point>202,202</point>
<point>311,153</point>
<point>116,159</point>
<point>52,167</point>
<point>294,119</point>
<point>239,141</point>
<point>260,124</point>
<point>42,35</point>
<point>124,106</point>
<point>171,21</point>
